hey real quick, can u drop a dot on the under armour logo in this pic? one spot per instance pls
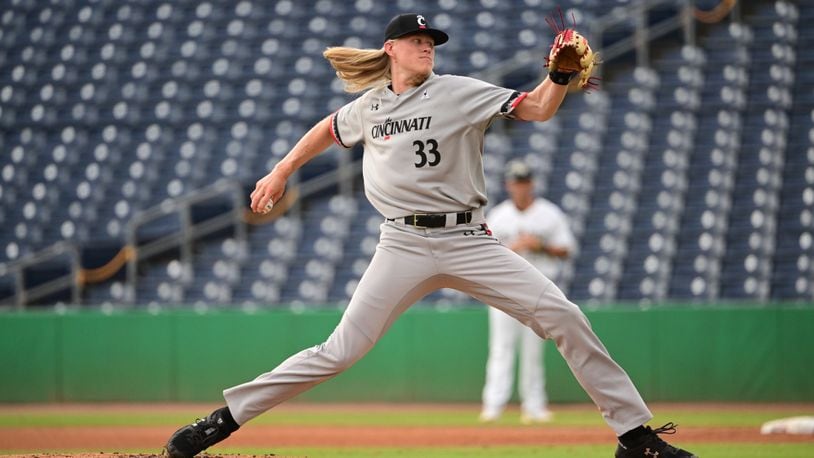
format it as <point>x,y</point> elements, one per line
<point>647,452</point>
<point>374,107</point>
<point>484,230</point>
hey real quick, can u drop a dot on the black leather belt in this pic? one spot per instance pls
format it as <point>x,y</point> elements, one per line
<point>434,219</point>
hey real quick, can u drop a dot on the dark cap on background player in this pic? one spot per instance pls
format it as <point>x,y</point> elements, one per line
<point>517,170</point>
<point>405,24</point>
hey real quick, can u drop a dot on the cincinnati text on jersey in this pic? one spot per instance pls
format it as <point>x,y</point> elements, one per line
<point>390,127</point>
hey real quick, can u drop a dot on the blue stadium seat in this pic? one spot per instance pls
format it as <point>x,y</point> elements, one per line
<point>682,180</point>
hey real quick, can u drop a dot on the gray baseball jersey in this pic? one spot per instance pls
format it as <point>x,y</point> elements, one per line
<point>423,147</point>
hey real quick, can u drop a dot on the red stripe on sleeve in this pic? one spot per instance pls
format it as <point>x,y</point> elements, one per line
<point>335,132</point>
<point>519,99</point>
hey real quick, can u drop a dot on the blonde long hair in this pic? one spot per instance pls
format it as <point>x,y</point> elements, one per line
<point>359,69</point>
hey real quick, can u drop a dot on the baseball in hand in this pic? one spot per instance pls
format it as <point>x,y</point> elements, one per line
<point>268,206</point>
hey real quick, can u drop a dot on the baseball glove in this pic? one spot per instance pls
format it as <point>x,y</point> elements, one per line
<point>571,57</point>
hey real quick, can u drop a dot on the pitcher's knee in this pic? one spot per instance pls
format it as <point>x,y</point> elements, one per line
<point>344,362</point>
<point>337,357</point>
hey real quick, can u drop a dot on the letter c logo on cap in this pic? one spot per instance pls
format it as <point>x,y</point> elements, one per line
<point>421,21</point>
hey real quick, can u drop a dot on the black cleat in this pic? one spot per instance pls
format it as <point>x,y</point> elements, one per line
<point>197,437</point>
<point>652,446</point>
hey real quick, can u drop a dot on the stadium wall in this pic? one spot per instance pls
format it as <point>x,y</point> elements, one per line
<point>672,354</point>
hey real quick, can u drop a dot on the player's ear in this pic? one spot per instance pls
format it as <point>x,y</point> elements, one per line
<point>388,47</point>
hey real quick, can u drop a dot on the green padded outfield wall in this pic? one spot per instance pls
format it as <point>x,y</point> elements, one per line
<point>672,354</point>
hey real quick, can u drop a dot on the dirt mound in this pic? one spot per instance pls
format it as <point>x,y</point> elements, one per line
<point>127,455</point>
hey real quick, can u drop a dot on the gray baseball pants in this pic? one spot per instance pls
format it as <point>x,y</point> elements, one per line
<point>410,263</point>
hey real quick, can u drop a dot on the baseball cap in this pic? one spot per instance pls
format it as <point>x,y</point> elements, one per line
<point>405,24</point>
<point>517,170</point>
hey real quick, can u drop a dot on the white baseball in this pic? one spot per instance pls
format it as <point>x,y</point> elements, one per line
<point>268,206</point>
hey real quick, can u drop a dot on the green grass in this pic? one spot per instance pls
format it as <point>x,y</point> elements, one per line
<point>560,451</point>
<point>465,415</point>
<point>705,450</point>
<point>450,417</point>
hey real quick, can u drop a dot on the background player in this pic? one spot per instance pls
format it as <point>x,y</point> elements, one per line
<point>423,171</point>
<point>538,230</point>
